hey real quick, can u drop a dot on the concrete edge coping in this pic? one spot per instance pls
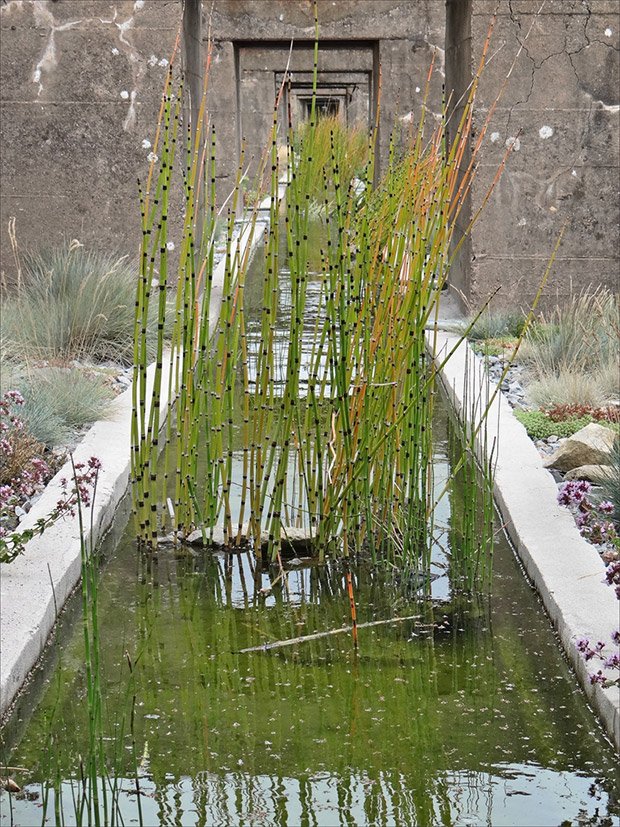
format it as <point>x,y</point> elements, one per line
<point>565,569</point>
<point>36,585</point>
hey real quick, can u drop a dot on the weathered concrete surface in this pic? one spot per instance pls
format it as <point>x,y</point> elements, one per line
<point>560,110</point>
<point>30,592</point>
<point>566,570</point>
<point>81,85</point>
<point>252,41</point>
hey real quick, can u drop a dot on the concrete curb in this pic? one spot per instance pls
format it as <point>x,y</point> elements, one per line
<point>566,570</point>
<point>35,586</point>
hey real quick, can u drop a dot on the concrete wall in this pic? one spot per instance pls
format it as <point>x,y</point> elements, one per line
<point>560,110</point>
<point>251,47</point>
<point>81,84</point>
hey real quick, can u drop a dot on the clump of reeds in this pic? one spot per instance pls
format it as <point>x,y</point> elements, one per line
<point>334,147</point>
<point>333,425</point>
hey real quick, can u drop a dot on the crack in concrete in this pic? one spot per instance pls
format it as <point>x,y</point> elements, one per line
<point>536,65</point>
<point>522,45</point>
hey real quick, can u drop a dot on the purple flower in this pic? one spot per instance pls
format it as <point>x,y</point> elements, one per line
<point>15,397</point>
<point>597,677</point>
<point>582,519</point>
<point>612,572</point>
<point>606,507</point>
<point>574,492</point>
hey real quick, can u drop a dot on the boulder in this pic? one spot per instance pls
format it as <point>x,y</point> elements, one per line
<point>591,445</point>
<point>598,474</point>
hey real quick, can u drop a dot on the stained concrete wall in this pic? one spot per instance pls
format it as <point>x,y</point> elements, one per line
<point>252,40</point>
<point>560,111</point>
<point>81,84</point>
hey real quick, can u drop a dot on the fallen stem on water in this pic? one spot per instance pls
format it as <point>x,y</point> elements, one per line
<point>279,644</point>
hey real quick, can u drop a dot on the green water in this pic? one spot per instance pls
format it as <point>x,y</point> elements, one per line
<point>465,715</point>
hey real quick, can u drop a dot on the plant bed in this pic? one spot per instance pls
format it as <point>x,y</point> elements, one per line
<point>577,347</point>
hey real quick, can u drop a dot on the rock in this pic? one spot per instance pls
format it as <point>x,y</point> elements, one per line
<point>195,538</point>
<point>593,473</point>
<point>591,445</point>
<point>168,540</point>
<point>9,785</point>
<point>293,540</point>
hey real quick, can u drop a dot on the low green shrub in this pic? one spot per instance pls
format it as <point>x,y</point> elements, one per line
<point>71,304</point>
<point>539,426</point>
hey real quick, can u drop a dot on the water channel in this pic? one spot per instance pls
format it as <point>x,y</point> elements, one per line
<point>465,713</point>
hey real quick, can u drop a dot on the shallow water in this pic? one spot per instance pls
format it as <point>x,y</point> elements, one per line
<point>465,715</point>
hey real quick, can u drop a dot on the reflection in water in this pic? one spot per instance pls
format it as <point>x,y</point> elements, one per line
<point>509,796</point>
<point>465,714</point>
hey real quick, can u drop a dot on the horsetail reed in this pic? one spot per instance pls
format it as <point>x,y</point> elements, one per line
<point>318,413</point>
